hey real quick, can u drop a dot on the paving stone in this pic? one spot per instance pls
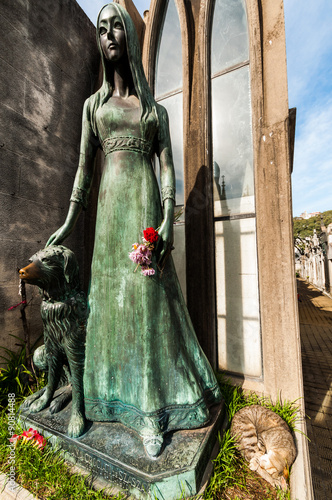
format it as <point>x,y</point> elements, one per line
<point>315,311</point>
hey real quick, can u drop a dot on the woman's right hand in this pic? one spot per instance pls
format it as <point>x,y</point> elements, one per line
<point>66,229</point>
<point>59,236</point>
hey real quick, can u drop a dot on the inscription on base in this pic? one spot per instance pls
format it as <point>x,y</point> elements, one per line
<point>108,471</point>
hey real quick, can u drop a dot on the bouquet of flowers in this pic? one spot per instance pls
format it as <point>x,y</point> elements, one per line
<point>141,254</point>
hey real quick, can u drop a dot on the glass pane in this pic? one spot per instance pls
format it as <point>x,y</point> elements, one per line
<point>230,43</point>
<point>232,143</point>
<point>169,55</point>
<point>239,338</point>
<point>174,104</point>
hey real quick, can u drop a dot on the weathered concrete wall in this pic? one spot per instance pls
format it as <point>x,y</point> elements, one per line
<point>282,365</point>
<point>48,65</point>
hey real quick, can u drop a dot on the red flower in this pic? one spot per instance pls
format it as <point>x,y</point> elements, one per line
<point>39,442</point>
<point>31,436</point>
<point>150,235</point>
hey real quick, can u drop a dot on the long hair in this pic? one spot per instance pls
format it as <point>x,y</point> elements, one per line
<point>147,102</point>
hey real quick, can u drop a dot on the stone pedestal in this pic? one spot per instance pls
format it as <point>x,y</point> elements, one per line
<point>115,455</point>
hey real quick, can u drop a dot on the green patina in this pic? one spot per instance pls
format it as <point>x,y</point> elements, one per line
<point>144,366</point>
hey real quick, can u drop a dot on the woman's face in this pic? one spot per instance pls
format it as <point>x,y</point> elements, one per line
<point>112,34</point>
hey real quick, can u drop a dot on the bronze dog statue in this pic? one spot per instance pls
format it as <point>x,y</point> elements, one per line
<point>64,312</point>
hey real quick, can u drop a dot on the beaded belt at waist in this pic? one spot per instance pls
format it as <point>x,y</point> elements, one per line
<point>126,143</point>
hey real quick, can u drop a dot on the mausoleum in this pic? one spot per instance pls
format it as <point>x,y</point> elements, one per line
<point>219,68</point>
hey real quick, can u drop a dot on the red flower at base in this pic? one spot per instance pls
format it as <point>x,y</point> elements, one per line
<point>150,235</point>
<point>31,436</point>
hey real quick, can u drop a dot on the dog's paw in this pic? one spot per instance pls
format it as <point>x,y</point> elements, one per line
<point>60,402</point>
<point>31,399</point>
<point>76,425</point>
<point>39,404</point>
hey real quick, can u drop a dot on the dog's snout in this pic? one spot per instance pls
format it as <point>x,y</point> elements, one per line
<point>29,272</point>
<point>22,272</point>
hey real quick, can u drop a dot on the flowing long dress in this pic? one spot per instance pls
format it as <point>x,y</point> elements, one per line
<point>144,366</point>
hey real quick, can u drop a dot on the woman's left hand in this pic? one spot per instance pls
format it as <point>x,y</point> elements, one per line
<point>165,241</point>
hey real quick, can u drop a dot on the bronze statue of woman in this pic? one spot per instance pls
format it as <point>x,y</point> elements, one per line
<point>144,366</point>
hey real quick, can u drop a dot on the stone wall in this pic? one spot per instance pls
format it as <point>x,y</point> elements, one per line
<point>48,65</point>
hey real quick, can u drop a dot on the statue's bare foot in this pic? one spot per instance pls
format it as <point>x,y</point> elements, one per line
<point>76,425</point>
<point>61,401</point>
<point>40,403</point>
<point>153,446</point>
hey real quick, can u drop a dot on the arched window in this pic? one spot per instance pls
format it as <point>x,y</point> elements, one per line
<point>236,130</point>
<point>238,324</point>
<point>231,110</point>
<point>197,57</point>
<point>168,87</point>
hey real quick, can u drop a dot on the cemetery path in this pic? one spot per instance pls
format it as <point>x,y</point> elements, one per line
<point>315,311</point>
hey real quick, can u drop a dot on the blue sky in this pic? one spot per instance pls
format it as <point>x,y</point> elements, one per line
<point>309,62</point>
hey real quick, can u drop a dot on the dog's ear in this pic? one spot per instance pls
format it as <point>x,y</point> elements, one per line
<point>70,267</point>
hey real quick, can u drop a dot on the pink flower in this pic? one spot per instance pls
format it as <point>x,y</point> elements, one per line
<point>140,255</point>
<point>148,271</point>
<point>14,439</point>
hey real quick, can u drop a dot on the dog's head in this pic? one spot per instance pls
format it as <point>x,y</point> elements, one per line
<point>53,268</point>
